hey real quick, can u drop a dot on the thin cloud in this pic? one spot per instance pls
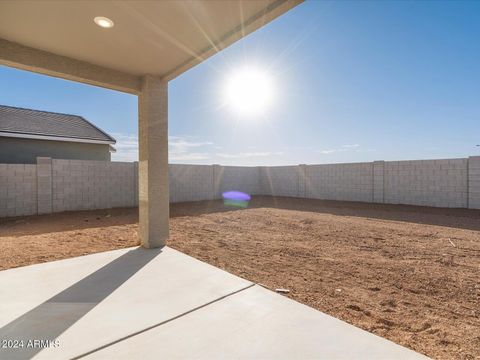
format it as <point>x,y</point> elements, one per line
<point>180,148</point>
<point>182,144</point>
<point>243,155</point>
<point>365,150</point>
<point>342,148</point>
<point>188,156</point>
<point>126,146</point>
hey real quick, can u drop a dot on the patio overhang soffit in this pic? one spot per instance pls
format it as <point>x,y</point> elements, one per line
<point>161,38</point>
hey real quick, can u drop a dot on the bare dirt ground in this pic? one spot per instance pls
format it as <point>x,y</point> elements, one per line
<point>409,274</point>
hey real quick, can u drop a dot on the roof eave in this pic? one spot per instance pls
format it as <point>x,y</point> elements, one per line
<point>55,138</point>
<point>44,62</point>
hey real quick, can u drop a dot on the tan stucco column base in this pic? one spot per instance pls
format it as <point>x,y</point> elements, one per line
<point>153,162</point>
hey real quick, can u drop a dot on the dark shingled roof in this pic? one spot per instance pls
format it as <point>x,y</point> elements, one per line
<point>34,122</point>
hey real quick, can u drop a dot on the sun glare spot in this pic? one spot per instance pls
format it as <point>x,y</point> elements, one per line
<point>249,91</point>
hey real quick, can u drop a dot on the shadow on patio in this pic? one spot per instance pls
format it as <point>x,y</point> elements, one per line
<point>51,318</point>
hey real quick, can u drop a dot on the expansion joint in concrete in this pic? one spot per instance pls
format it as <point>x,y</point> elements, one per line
<point>164,322</point>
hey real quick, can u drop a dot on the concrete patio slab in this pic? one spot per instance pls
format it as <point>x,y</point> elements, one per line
<point>150,304</point>
<point>256,324</point>
<point>89,301</point>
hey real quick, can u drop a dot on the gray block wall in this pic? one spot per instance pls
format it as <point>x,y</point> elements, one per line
<point>346,182</point>
<point>237,178</point>
<point>474,182</point>
<point>86,185</point>
<point>18,189</point>
<point>282,181</point>
<point>44,185</point>
<point>440,183</point>
<point>63,185</point>
<point>379,181</point>
<point>191,182</point>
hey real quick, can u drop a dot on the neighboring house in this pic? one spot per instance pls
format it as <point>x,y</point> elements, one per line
<point>26,134</point>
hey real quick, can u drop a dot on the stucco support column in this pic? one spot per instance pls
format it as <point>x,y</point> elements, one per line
<point>153,162</point>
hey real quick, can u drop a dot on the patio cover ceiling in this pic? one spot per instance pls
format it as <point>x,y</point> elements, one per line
<point>162,38</point>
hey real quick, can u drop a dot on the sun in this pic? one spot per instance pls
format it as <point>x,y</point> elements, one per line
<point>249,91</point>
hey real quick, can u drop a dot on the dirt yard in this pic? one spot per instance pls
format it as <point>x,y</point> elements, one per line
<point>410,274</point>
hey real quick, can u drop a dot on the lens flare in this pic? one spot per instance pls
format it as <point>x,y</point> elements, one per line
<point>236,199</point>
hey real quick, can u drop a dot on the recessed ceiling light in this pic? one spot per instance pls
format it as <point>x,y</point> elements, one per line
<point>104,22</point>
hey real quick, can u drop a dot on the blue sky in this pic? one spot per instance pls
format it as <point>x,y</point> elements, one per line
<point>354,81</point>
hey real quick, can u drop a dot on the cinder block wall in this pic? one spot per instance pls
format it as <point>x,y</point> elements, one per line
<point>85,185</point>
<point>18,189</point>
<point>245,179</point>
<point>440,183</point>
<point>474,182</point>
<point>62,185</point>
<point>191,182</point>
<point>281,181</point>
<point>346,182</point>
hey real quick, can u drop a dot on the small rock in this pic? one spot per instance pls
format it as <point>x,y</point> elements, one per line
<point>282,291</point>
